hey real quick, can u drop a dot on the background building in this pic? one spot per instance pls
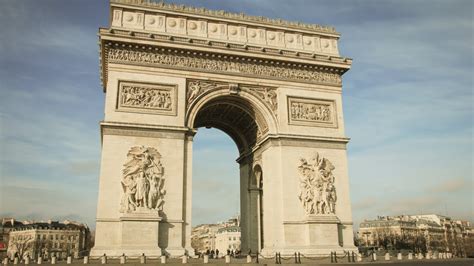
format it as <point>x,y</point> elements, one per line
<point>421,233</point>
<point>228,238</point>
<point>7,225</point>
<point>48,239</point>
<point>207,236</point>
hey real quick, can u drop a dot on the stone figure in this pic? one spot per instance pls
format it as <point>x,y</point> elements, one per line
<point>317,190</point>
<point>142,180</point>
<point>141,194</point>
<point>129,187</point>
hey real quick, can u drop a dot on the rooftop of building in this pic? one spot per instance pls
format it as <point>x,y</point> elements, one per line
<point>10,222</point>
<point>229,229</point>
<point>50,224</point>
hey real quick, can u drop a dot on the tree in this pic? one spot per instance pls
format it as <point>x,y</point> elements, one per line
<point>18,245</point>
<point>42,246</point>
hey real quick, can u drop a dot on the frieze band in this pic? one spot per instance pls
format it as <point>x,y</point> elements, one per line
<point>213,63</point>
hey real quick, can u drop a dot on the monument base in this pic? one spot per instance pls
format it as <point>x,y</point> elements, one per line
<point>138,235</point>
<point>319,234</point>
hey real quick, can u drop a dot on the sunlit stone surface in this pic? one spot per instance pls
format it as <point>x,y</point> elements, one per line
<point>273,86</point>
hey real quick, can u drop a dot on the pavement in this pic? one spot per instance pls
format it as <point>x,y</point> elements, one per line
<point>288,261</point>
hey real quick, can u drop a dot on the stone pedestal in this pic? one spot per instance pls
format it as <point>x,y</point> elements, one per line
<point>317,235</point>
<point>139,234</point>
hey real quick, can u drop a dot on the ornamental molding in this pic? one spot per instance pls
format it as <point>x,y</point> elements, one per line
<point>317,188</point>
<point>312,112</point>
<point>142,181</point>
<point>218,63</point>
<point>197,88</point>
<point>225,15</point>
<point>147,98</point>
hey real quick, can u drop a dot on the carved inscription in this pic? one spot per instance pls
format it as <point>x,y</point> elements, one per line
<point>142,181</point>
<point>216,64</point>
<point>311,112</point>
<point>145,97</point>
<point>317,190</point>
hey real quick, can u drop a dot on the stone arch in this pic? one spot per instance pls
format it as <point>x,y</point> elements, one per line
<point>241,115</point>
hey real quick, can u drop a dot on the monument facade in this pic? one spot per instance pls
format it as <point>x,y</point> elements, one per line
<point>273,86</point>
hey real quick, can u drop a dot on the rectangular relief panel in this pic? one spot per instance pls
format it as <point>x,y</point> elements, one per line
<point>147,98</point>
<point>312,112</point>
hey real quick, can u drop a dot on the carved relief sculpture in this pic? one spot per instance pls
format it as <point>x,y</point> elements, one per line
<point>311,112</point>
<point>142,181</point>
<point>198,87</point>
<point>318,192</point>
<point>211,64</point>
<point>145,97</point>
<point>268,95</point>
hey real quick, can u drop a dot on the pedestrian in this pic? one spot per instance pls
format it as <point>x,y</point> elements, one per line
<point>212,254</point>
<point>217,253</point>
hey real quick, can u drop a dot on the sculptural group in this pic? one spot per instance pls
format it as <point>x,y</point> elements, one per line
<point>142,180</point>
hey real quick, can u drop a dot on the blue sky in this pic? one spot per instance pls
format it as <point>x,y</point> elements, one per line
<point>408,106</point>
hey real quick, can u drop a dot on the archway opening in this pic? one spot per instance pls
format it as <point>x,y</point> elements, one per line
<point>235,117</point>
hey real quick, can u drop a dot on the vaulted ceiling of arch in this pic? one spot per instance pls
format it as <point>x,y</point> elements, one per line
<point>236,118</point>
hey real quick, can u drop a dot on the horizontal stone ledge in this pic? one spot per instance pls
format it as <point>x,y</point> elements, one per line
<point>114,220</point>
<point>140,38</point>
<point>316,219</point>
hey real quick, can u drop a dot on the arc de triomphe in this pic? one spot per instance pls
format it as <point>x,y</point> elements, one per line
<point>273,86</point>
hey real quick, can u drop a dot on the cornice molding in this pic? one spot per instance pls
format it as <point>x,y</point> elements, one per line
<point>191,60</point>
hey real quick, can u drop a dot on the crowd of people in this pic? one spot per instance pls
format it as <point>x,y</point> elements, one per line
<point>214,254</point>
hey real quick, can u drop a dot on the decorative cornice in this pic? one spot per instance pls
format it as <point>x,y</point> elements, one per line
<point>222,14</point>
<point>154,56</point>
